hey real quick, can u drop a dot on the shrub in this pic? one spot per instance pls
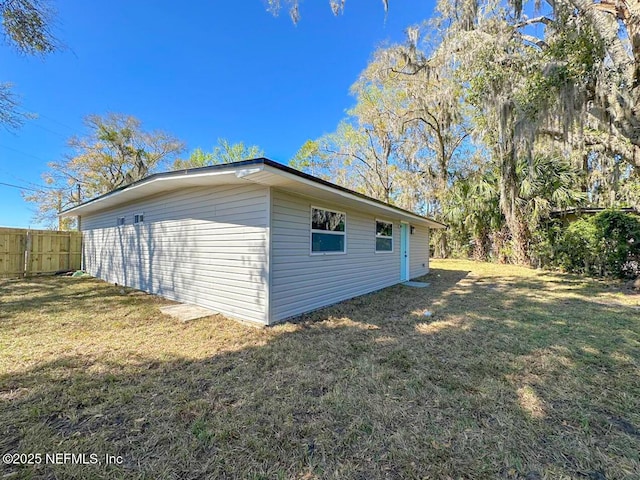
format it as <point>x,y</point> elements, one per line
<point>605,244</point>
<point>620,242</point>
<point>578,248</point>
<point>545,242</point>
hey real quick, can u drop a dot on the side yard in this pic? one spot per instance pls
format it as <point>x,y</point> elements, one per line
<point>517,374</point>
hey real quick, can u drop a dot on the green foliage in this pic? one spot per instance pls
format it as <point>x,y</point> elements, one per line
<point>315,160</point>
<point>606,244</point>
<point>535,96</point>
<point>579,51</point>
<point>620,241</point>
<point>303,158</point>
<point>547,182</point>
<point>471,209</point>
<point>224,152</point>
<point>579,247</point>
<point>26,25</point>
<point>544,242</point>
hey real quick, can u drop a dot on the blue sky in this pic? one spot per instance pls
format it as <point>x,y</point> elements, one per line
<point>199,70</point>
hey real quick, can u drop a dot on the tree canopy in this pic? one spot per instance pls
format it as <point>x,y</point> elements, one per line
<point>588,53</point>
<point>223,152</point>
<point>114,152</point>
<point>26,27</point>
<point>526,107</point>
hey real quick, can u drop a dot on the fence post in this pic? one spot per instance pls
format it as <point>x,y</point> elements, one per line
<point>23,253</point>
<point>69,251</point>
<point>27,254</point>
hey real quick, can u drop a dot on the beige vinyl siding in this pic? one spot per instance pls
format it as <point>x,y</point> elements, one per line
<point>200,245</point>
<point>301,282</point>
<point>419,252</point>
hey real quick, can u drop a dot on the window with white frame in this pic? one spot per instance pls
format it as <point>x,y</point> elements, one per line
<point>119,221</point>
<point>138,218</point>
<point>328,231</point>
<point>384,236</point>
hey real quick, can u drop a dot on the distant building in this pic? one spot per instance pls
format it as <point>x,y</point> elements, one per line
<point>570,215</point>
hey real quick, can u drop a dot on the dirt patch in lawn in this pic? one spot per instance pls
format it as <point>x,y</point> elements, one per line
<point>516,374</point>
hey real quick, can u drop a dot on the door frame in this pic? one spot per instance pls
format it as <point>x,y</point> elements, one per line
<point>405,251</point>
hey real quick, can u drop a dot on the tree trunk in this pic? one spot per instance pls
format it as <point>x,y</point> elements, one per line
<point>481,247</point>
<point>498,240</point>
<point>516,223</point>
<point>444,246</point>
<point>440,244</point>
<point>520,238</point>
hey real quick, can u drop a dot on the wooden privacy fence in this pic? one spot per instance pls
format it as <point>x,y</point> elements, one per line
<point>34,252</point>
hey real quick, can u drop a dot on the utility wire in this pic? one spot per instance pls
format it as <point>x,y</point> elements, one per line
<point>19,187</point>
<point>31,185</point>
<point>50,131</point>
<point>23,153</point>
<point>67,127</point>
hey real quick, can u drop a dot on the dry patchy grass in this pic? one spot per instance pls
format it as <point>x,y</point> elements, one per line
<point>517,374</point>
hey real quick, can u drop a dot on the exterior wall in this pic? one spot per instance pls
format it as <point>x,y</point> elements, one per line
<point>204,245</point>
<point>301,282</point>
<point>419,252</point>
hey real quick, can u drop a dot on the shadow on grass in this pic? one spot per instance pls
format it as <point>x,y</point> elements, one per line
<point>56,295</point>
<point>510,378</point>
<point>41,292</point>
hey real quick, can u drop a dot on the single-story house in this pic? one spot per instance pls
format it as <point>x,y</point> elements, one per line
<point>254,240</point>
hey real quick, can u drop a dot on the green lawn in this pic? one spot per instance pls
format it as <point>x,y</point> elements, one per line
<point>518,374</point>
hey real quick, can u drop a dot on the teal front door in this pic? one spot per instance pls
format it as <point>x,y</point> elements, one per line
<point>404,252</point>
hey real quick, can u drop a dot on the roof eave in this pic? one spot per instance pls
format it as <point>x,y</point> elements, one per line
<point>236,172</point>
<point>318,183</point>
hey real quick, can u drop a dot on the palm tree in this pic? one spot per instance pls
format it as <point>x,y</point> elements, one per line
<point>472,207</point>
